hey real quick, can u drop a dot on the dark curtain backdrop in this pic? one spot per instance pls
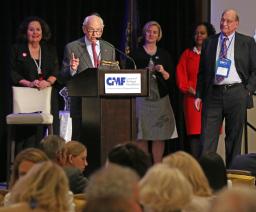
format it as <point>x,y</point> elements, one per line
<point>177,18</point>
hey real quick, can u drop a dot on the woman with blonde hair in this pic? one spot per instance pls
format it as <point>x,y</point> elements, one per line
<point>191,170</point>
<point>154,114</point>
<point>164,189</point>
<point>45,186</point>
<point>24,161</point>
<point>76,154</point>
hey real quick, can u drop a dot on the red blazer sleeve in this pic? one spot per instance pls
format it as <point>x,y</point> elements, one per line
<point>182,72</point>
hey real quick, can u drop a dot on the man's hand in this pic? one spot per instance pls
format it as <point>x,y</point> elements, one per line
<point>74,62</point>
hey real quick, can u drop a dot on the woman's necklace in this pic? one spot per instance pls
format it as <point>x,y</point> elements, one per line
<point>38,65</point>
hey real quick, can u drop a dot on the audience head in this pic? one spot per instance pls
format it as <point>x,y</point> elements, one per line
<point>235,199</point>
<point>93,27</point>
<point>53,146</point>
<point>76,154</point>
<point>113,181</point>
<point>164,189</point>
<point>214,169</point>
<point>191,170</point>
<point>24,162</point>
<point>246,162</point>
<point>130,155</point>
<point>45,186</point>
<point>30,24</point>
<point>152,27</point>
<point>111,204</point>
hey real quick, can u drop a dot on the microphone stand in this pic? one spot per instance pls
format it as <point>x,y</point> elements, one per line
<point>119,51</point>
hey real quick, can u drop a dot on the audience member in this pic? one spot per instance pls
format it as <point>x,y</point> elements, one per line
<point>113,181</point>
<point>235,199</point>
<point>130,155</point>
<point>214,169</point>
<point>192,170</point>
<point>23,162</point>
<point>71,156</point>
<point>156,121</point>
<point>53,147</point>
<point>45,186</point>
<point>111,204</point>
<point>76,154</point>
<point>186,78</point>
<point>245,162</point>
<point>164,189</point>
<point>22,206</point>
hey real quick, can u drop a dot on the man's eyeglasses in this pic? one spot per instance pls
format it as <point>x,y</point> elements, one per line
<point>97,31</point>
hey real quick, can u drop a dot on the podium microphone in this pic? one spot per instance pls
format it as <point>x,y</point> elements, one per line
<point>119,51</point>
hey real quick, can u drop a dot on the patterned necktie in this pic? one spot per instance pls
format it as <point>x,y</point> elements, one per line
<point>223,54</point>
<point>95,56</point>
<point>224,48</point>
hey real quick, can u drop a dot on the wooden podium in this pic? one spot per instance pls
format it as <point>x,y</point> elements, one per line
<point>108,118</point>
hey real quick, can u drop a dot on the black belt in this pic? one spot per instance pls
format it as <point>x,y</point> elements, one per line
<point>227,86</point>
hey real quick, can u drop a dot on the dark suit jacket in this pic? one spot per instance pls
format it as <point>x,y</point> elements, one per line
<point>245,62</point>
<point>24,67</point>
<point>79,49</point>
<point>77,182</point>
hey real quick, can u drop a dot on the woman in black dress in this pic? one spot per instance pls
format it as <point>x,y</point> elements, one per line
<point>154,113</point>
<point>34,63</point>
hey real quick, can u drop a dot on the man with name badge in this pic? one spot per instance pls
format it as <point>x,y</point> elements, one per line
<point>226,81</point>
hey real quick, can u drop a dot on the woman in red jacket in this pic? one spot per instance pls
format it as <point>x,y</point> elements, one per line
<point>186,78</point>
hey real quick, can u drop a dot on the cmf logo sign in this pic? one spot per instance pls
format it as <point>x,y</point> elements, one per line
<point>116,80</point>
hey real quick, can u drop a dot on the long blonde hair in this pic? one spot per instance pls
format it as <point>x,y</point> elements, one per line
<point>45,185</point>
<point>30,154</point>
<point>191,170</point>
<point>165,189</point>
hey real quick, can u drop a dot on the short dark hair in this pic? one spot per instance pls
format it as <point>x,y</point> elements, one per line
<point>22,30</point>
<point>214,169</point>
<point>130,155</point>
